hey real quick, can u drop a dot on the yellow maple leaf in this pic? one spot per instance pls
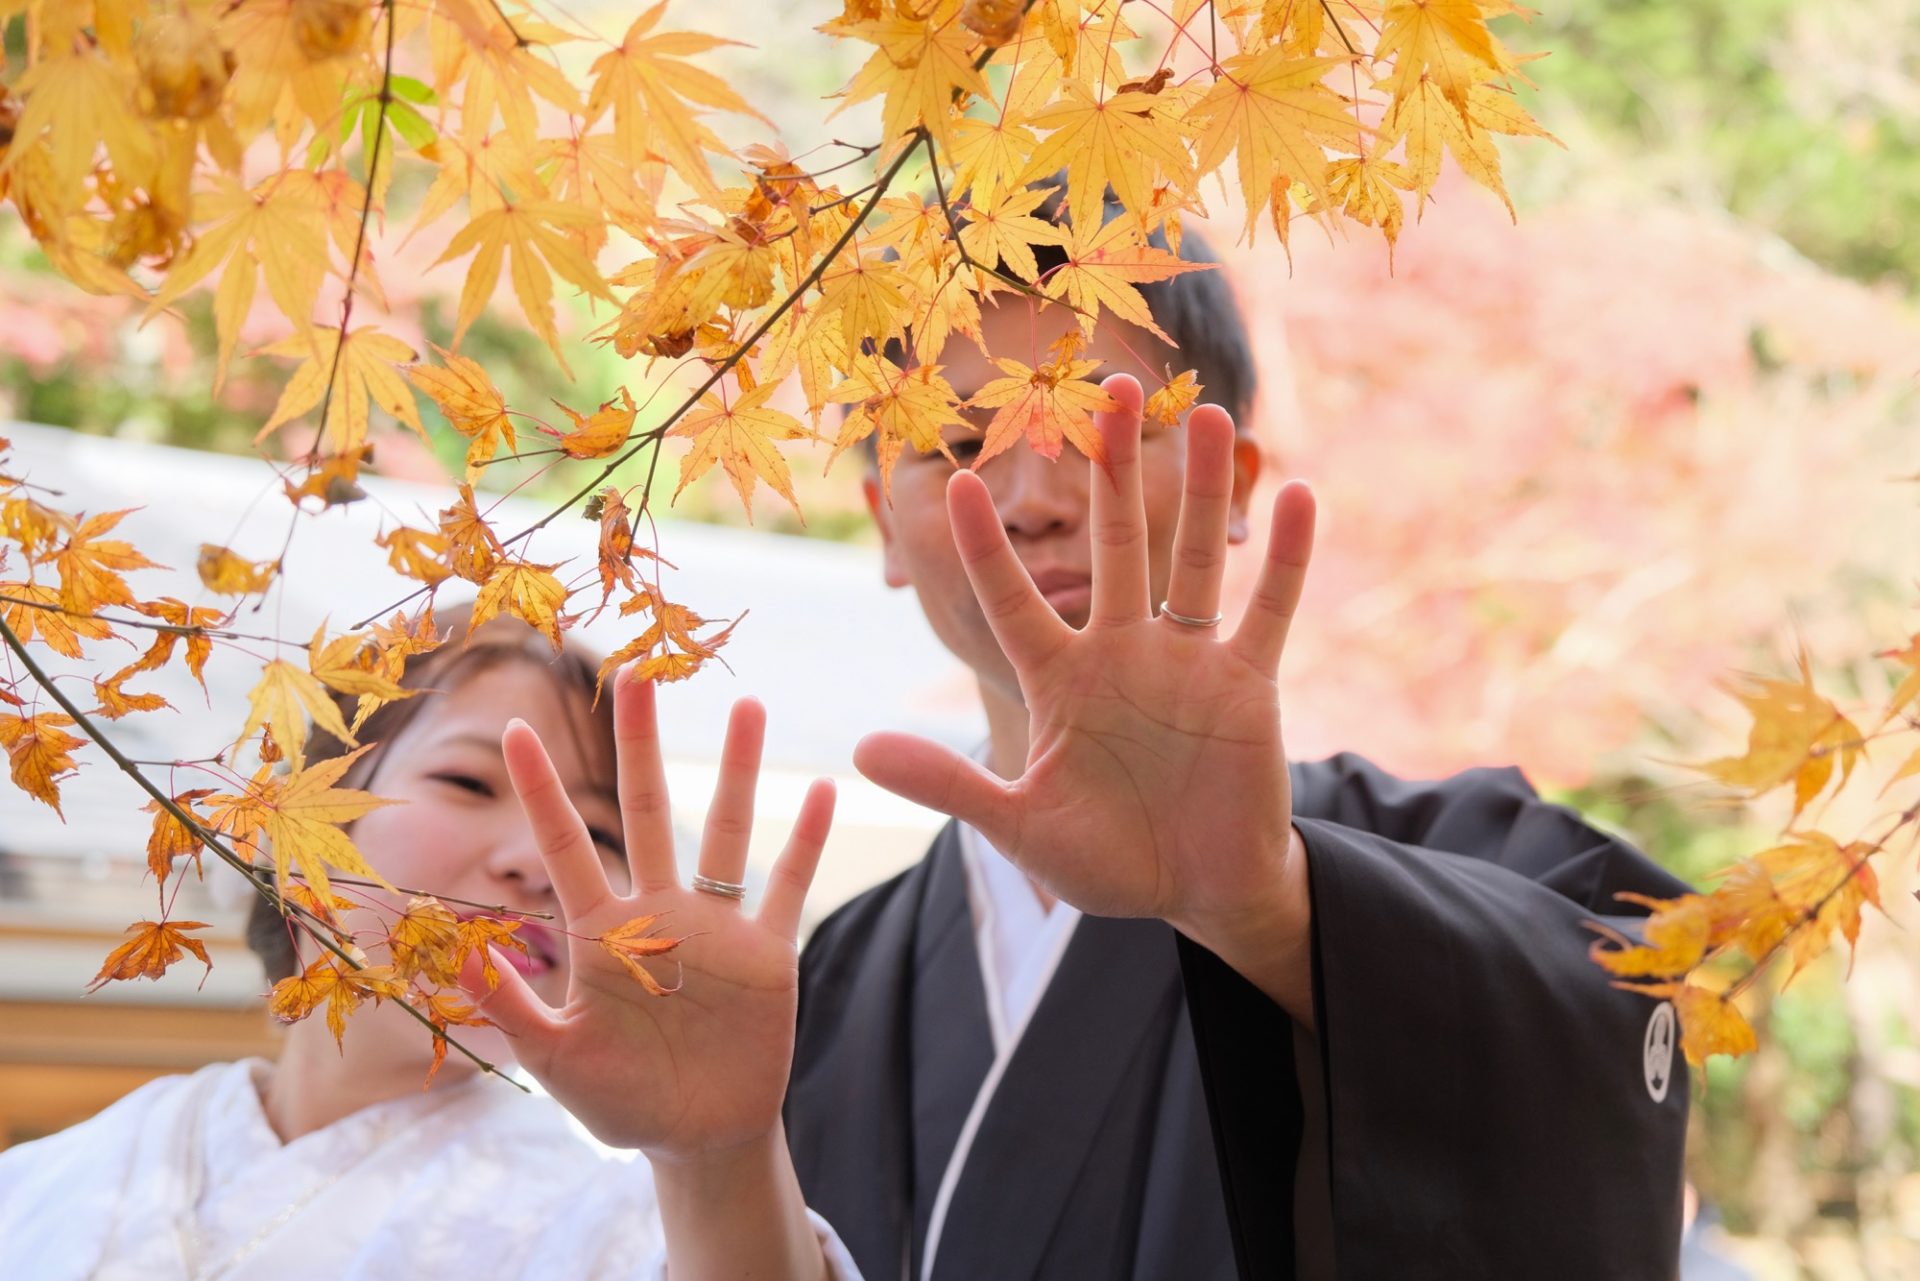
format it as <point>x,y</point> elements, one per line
<point>301,816</point>
<point>150,948</point>
<point>1272,112</point>
<point>281,702</point>
<point>115,702</point>
<point>366,373</point>
<point>1710,1024</point>
<point>1367,190</point>
<point>1446,41</point>
<point>598,434</point>
<point>527,591</point>
<point>739,436</point>
<point>898,407</point>
<point>422,940</point>
<point>1677,933</point>
<point>1102,269</point>
<point>341,987</point>
<point>1120,141</point>
<point>279,227</point>
<point>1045,405</point>
<point>1005,230</point>
<point>923,61</point>
<point>80,98</point>
<point>1796,736</point>
<point>417,553</point>
<point>473,406</point>
<point>646,83</point>
<point>1174,398</point>
<point>350,664</point>
<point>472,545</point>
<point>227,573</point>
<point>39,753</point>
<point>539,252</point>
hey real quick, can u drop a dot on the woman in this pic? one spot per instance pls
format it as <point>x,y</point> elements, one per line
<point>332,1162</point>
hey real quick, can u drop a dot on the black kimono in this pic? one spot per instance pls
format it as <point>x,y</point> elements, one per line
<point>1478,1100</point>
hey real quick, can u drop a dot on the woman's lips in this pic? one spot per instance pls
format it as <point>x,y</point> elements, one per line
<point>543,949</point>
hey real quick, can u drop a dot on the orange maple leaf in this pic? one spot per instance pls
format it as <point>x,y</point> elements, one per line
<point>527,591</point>
<point>150,948</point>
<point>598,434</point>
<point>739,436</point>
<point>90,566</point>
<point>39,753</point>
<point>473,406</point>
<point>1102,269</point>
<point>170,838</point>
<point>1047,405</point>
<point>636,940</point>
<point>227,573</point>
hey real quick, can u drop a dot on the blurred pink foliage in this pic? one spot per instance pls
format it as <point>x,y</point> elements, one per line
<point>1571,473</point>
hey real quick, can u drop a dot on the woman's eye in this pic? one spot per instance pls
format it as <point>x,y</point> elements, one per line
<point>465,782</point>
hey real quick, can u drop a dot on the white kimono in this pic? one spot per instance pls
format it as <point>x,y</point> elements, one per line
<point>184,1180</point>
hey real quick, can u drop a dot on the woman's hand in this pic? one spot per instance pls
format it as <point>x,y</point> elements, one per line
<point>697,1075</point>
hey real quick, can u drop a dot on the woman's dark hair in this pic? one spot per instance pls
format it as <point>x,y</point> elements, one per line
<point>574,672</point>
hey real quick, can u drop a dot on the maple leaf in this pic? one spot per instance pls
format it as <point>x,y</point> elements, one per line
<point>598,434</point>
<point>539,252</point>
<point>1273,113</point>
<point>365,374</point>
<point>498,61</point>
<point>647,85</point>
<point>423,939</point>
<point>471,542</point>
<point>354,665</point>
<point>1173,399</point>
<point>1006,231</point>
<point>150,948</point>
<point>229,574</point>
<point>1677,932</point>
<point>477,935</point>
<point>417,553</point>
<point>1710,1024</point>
<point>473,407</point>
<point>34,611</point>
<point>1102,269</point>
<point>199,645</point>
<point>1120,141</point>
<point>281,702</point>
<point>1797,733</point>
<point>300,816</point>
<point>80,98</point>
<point>115,702</point>
<point>90,566</point>
<point>297,996</point>
<point>1366,189</point>
<point>170,838</point>
<point>739,436</point>
<point>1046,405</point>
<point>921,64</point>
<point>445,1009</point>
<point>616,548</point>
<point>279,227</point>
<point>637,940</point>
<point>1445,41</point>
<point>39,753</point>
<point>333,478</point>
<point>899,407</point>
<point>527,591</point>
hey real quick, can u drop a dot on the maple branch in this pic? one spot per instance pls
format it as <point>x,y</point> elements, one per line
<point>255,876</point>
<point>177,629</point>
<point>360,237</point>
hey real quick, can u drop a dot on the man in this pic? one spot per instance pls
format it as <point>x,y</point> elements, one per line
<point>1315,1020</point>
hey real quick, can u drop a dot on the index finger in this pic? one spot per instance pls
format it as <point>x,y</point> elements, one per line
<point>573,862</point>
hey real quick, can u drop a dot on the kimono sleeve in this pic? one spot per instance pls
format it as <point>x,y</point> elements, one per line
<point>1493,1106</point>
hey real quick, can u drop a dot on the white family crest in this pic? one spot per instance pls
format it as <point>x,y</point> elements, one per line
<point>1656,1054</point>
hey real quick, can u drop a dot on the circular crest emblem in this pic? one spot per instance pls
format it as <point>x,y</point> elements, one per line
<point>1657,1054</point>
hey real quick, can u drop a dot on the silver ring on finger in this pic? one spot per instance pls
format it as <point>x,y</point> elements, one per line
<point>1188,620</point>
<point>725,889</point>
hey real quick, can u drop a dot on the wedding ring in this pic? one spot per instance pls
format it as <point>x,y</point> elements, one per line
<point>1187,620</point>
<point>725,889</point>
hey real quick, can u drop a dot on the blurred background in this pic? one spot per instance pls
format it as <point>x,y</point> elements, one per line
<point>1576,468</point>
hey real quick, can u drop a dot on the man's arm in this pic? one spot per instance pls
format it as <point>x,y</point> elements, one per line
<point>1493,1105</point>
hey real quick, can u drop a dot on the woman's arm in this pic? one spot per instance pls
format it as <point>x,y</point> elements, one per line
<point>738,1214</point>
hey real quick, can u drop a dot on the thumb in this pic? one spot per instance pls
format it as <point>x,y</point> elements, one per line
<point>508,1002</point>
<point>940,779</point>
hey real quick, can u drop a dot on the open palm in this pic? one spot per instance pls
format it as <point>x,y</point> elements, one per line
<point>703,1068</point>
<point>1156,780</point>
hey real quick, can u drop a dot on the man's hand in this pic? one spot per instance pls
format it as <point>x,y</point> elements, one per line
<point>699,1074</point>
<point>1156,781</point>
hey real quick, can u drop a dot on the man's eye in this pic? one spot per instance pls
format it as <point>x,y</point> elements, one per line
<point>966,449</point>
<point>607,840</point>
<point>465,782</point>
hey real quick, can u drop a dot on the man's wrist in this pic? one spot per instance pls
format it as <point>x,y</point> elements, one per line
<point>1269,938</point>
